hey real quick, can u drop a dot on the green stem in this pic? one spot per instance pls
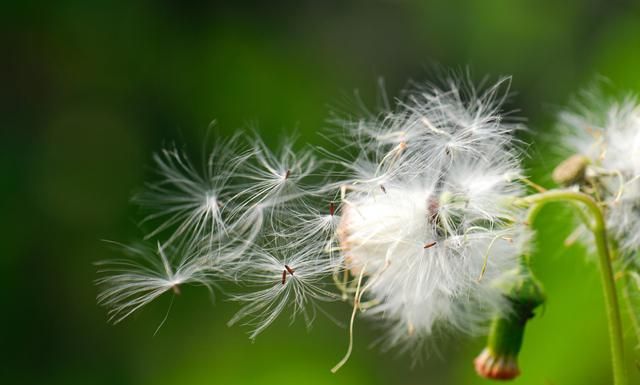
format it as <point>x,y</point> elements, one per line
<point>598,228</point>
<point>626,293</point>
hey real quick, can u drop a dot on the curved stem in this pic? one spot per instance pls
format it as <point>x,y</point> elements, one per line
<point>598,228</point>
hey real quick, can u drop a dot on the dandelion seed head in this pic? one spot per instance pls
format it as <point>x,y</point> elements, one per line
<point>421,286</point>
<point>607,132</point>
<point>441,229</point>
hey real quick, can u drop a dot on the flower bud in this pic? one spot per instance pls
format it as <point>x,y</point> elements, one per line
<point>499,360</point>
<point>571,170</point>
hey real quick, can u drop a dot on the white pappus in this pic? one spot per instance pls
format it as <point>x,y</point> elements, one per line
<point>281,280</point>
<point>606,133</point>
<point>434,226</point>
<point>129,284</point>
<point>418,219</point>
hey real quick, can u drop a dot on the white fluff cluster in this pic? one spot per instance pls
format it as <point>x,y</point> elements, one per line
<point>420,221</point>
<point>428,213</point>
<point>240,217</point>
<point>608,135</point>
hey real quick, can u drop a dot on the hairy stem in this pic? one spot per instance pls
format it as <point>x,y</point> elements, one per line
<point>595,223</point>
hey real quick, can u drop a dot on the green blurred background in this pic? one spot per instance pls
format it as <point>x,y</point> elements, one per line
<point>89,90</point>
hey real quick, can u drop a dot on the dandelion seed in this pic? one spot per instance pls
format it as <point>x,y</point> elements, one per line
<point>270,184</point>
<point>188,202</point>
<point>130,284</point>
<point>430,245</point>
<point>276,178</point>
<point>299,291</point>
<point>309,229</point>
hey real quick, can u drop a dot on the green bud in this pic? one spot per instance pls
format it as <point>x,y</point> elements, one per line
<point>499,360</point>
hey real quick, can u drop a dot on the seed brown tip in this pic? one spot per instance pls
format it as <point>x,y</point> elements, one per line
<point>430,245</point>
<point>290,270</point>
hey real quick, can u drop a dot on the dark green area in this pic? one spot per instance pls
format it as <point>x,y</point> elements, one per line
<point>88,90</point>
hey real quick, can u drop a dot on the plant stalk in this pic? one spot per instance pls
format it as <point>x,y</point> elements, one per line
<point>598,228</point>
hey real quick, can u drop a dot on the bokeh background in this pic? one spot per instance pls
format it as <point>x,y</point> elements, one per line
<point>88,90</point>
